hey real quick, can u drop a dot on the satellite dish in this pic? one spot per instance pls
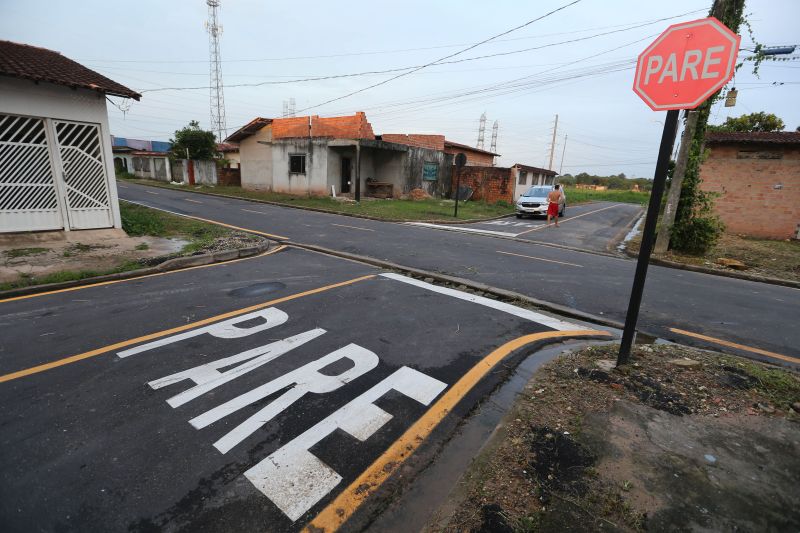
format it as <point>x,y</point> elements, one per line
<point>461,159</point>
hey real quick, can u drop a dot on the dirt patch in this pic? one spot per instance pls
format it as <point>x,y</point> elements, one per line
<point>681,439</point>
<point>760,257</point>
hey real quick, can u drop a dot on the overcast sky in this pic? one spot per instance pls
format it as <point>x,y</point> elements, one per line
<point>150,45</point>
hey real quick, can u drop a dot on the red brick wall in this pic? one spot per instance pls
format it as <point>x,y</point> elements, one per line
<point>350,127</point>
<point>473,158</point>
<point>433,142</point>
<point>746,177</point>
<point>489,183</point>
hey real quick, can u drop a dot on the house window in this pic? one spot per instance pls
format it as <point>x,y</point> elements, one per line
<point>297,163</point>
<point>523,177</point>
<point>430,172</point>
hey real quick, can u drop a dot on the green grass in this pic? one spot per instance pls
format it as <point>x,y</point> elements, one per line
<point>66,275</point>
<point>24,252</point>
<point>575,196</point>
<point>781,386</point>
<point>421,210</point>
<point>138,221</point>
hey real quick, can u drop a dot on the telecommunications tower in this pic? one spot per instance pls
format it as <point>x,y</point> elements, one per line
<point>494,140</point>
<point>481,131</point>
<point>215,63</point>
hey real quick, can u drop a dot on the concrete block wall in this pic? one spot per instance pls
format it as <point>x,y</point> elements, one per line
<point>349,127</point>
<point>759,187</point>
<point>490,184</point>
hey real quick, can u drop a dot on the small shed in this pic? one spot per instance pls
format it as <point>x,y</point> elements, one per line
<point>57,169</point>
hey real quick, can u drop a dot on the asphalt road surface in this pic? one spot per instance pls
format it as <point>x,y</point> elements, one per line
<point>264,394</point>
<point>751,319</point>
<point>597,226</point>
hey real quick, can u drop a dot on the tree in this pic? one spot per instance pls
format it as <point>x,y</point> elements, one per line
<point>760,121</point>
<point>201,143</point>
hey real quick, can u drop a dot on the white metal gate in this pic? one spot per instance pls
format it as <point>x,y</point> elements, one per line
<point>28,198</point>
<point>81,151</point>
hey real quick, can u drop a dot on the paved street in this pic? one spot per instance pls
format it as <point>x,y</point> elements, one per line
<point>254,395</point>
<point>595,226</point>
<point>734,311</point>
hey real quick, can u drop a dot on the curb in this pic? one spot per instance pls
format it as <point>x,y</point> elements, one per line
<point>614,243</point>
<point>474,285</point>
<point>178,263</point>
<point>722,273</point>
<point>318,210</point>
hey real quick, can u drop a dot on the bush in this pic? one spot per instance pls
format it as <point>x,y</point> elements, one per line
<point>697,235</point>
<point>137,221</point>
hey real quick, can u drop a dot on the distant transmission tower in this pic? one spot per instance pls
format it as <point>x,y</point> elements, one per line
<point>217,97</point>
<point>285,109</point>
<point>481,131</point>
<point>494,141</point>
<point>292,107</point>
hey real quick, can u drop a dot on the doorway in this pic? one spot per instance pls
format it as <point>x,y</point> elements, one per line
<point>346,170</point>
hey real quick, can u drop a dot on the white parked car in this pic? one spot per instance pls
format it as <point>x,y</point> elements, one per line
<point>534,201</point>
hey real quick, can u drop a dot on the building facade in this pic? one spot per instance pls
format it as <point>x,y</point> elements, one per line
<point>757,179</point>
<point>526,176</point>
<point>58,171</point>
<point>335,156</point>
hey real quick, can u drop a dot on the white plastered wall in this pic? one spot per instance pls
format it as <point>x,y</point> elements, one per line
<point>46,100</point>
<point>255,160</point>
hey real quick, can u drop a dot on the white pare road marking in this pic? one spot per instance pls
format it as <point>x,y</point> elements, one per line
<point>303,380</point>
<point>227,329</point>
<point>295,479</point>
<point>207,377</point>
<point>533,316</point>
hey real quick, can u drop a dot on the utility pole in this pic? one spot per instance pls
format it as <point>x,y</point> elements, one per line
<point>553,144</point>
<point>494,141</point>
<point>481,131</point>
<point>217,97</point>
<point>674,194</point>
<point>563,151</point>
<point>727,12</point>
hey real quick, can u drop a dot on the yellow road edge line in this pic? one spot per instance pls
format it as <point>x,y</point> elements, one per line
<point>565,219</point>
<point>98,284</point>
<point>105,349</point>
<point>336,513</point>
<point>540,259</point>
<point>734,345</point>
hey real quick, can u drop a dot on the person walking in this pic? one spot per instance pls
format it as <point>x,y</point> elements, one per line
<point>554,198</point>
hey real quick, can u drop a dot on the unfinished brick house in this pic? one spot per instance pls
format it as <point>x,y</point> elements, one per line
<point>757,176</point>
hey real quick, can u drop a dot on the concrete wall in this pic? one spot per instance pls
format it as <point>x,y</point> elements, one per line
<point>255,160</point>
<point>759,187</point>
<point>205,172</point>
<point>46,100</point>
<point>415,162</point>
<point>315,179</point>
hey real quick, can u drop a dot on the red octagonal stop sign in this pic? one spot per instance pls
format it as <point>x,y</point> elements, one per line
<point>686,64</point>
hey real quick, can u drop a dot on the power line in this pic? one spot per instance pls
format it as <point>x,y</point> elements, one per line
<point>391,51</point>
<point>443,58</point>
<point>413,68</point>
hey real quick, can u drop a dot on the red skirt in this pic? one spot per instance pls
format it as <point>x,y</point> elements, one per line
<point>552,210</point>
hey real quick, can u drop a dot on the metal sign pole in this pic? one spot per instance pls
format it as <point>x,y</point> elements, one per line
<point>648,235</point>
<point>461,160</point>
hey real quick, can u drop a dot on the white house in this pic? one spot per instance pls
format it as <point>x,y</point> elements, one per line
<point>526,176</point>
<point>55,144</point>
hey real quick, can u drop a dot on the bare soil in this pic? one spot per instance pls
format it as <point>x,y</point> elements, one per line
<point>651,446</point>
<point>762,257</point>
